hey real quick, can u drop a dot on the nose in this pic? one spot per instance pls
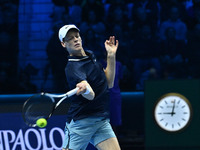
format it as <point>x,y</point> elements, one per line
<point>75,39</point>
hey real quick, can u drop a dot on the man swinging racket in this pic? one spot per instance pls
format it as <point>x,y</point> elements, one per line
<point>88,116</point>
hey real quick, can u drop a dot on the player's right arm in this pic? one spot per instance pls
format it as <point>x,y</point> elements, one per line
<point>85,90</point>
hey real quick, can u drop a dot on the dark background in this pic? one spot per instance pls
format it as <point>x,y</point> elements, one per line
<point>159,40</point>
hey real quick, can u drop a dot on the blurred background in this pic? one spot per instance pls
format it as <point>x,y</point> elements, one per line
<point>159,40</point>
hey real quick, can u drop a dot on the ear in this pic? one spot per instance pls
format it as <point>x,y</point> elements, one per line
<point>63,44</point>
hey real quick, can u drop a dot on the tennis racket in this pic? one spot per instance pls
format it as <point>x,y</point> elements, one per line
<point>42,105</point>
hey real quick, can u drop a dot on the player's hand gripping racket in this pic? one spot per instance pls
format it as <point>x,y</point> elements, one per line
<point>42,106</point>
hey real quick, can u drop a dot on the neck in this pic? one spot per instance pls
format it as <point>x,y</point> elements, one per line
<point>79,53</point>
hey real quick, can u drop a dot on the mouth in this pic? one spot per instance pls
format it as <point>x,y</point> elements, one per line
<point>77,45</point>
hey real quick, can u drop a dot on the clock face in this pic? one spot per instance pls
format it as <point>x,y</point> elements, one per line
<point>172,112</point>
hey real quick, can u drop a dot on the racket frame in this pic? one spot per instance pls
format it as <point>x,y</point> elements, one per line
<point>51,96</point>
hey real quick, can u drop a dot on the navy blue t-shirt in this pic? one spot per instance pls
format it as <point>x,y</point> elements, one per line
<point>87,68</point>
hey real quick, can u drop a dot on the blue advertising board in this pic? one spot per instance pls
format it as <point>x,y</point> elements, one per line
<point>16,135</point>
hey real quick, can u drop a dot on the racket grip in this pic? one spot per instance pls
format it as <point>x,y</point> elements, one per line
<point>72,92</point>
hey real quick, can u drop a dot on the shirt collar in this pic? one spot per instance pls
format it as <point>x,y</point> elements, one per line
<point>80,58</point>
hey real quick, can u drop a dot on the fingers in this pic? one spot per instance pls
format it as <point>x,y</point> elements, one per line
<point>117,43</point>
<point>112,41</point>
<point>82,88</point>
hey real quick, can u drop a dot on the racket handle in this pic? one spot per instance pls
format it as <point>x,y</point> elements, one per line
<point>68,94</point>
<point>72,92</point>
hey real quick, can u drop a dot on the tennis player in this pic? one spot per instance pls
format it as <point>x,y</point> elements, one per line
<point>88,116</point>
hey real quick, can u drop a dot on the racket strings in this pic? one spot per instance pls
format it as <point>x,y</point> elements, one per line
<point>42,106</point>
<point>38,106</point>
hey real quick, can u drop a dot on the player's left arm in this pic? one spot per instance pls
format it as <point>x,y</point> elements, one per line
<point>111,46</point>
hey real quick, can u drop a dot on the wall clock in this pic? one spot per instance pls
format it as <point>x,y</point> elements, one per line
<point>172,112</point>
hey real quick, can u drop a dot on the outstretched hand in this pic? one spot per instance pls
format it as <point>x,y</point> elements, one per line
<point>111,45</point>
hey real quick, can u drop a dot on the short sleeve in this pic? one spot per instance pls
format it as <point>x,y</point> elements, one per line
<point>75,74</point>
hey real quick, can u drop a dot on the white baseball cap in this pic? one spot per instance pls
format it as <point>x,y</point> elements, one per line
<point>64,30</point>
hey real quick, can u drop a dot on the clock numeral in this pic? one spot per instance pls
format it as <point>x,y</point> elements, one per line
<point>183,119</point>
<point>166,124</point>
<point>161,107</point>
<point>185,112</point>
<point>179,124</point>
<point>161,119</point>
<point>178,102</point>
<point>183,106</point>
<point>172,125</point>
<point>166,102</point>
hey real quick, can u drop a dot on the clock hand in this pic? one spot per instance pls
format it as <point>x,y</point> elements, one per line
<point>169,113</point>
<point>172,113</point>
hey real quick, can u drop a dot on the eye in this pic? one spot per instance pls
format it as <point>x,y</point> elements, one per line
<point>69,39</point>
